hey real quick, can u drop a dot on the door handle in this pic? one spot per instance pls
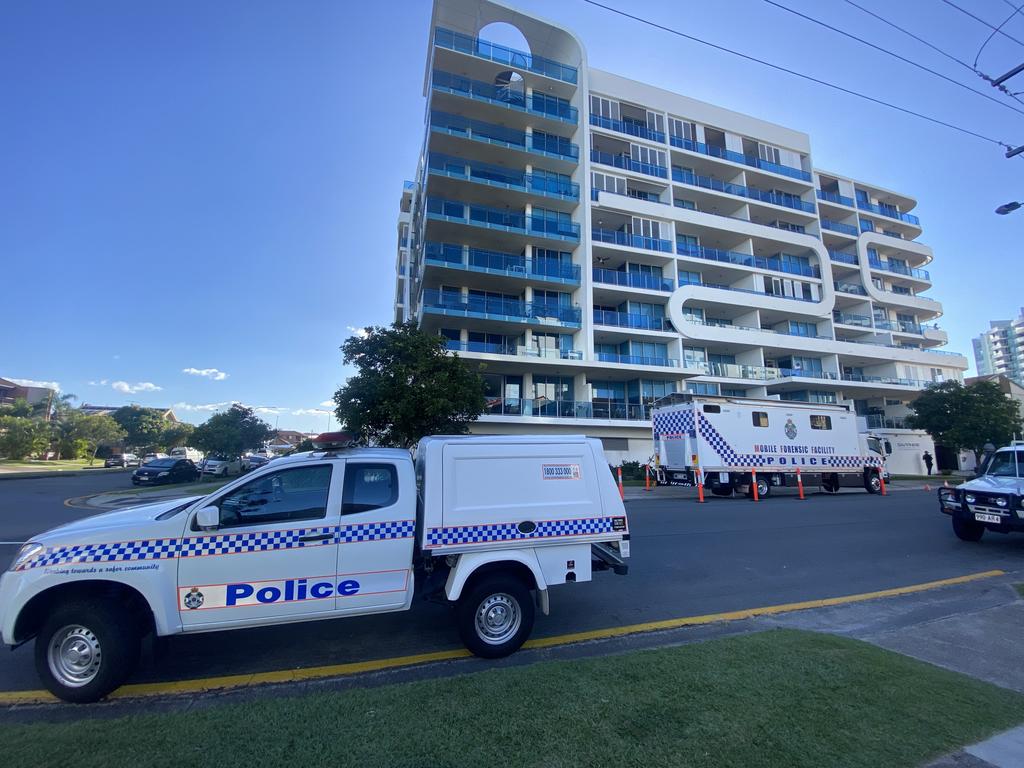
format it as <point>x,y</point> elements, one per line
<point>317,537</point>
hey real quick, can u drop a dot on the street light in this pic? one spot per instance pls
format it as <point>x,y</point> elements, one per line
<point>1006,208</point>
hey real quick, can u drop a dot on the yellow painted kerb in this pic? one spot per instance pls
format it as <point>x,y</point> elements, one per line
<point>201,685</point>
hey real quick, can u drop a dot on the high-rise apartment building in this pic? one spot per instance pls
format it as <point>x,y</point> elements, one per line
<point>1000,349</point>
<point>599,243</point>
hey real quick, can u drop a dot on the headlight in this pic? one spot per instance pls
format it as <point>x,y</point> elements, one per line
<point>970,498</point>
<point>27,552</point>
<point>163,474</point>
<point>1022,502</point>
<point>1000,502</point>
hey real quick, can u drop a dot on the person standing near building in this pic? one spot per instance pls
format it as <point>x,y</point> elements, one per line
<point>927,461</point>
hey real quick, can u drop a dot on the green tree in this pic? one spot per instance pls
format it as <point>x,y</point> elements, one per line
<point>235,430</point>
<point>408,386</point>
<point>176,435</point>
<point>92,431</point>
<point>19,407</point>
<point>21,436</point>
<point>142,426</point>
<point>965,418</point>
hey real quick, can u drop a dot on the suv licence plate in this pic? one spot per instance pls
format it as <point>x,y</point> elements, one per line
<point>983,518</point>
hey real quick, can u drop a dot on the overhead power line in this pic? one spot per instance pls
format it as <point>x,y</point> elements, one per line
<point>982,21</point>
<point>801,75</point>
<point>994,31</point>
<point>895,56</point>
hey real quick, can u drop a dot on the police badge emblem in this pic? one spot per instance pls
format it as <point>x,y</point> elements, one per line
<point>193,599</point>
<point>790,429</point>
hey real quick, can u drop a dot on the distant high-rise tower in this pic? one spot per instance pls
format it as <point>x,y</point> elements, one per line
<point>1000,349</point>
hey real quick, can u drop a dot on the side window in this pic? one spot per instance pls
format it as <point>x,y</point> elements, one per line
<point>291,494</point>
<point>712,409</point>
<point>368,486</point>
<point>760,418</point>
<point>821,422</point>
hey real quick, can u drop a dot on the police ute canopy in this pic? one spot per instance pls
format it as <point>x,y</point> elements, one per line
<point>486,524</point>
<point>741,444</point>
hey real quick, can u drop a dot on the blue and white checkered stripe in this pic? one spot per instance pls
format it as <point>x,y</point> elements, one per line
<point>483,534</point>
<point>145,549</point>
<point>222,544</point>
<point>673,423</point>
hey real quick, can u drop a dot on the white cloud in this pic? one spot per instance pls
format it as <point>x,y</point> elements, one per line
<point>206,407</point>
<point>100,383</point>
<point>209,373</point>
<point>271,409</point>
<point>33,383</point>
<point>360,332</point>
<point>131,389</point>
<point>310,412</point>
<point>328,404</point>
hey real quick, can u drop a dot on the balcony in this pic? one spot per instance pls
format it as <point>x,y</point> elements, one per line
<point>878,421</point>
<point>738,157</point>
<point>853,288</point>
<point>707,182</point>
<point>722,287</point>
<point>889,211</point>
<point>487,308</point>
<point>513,351</point>
<point>838,226</point>
<point>500,54</point>
<point>628,127</point>
<point>489,133</point>
<point>892,380</point>
<point>503,96</point>
<point>834,197</point>
<point>774,263</point>
<point>663,362</point>
<point>631,320</point>
<point>632,280</point>
<point>846,318</point>
<point>898,269</point>
<point>455,256</point>
<point>627,163</point>
<point>501,177</point>
<point>484,216</point>
<point>542,407</point>
<point>842,258</point>
<point>618,237</point>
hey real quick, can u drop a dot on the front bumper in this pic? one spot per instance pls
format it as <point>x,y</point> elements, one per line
<point>149,480</point>
<point>1010,519</point>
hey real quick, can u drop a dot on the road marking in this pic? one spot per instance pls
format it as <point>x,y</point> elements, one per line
<point>202,685</point>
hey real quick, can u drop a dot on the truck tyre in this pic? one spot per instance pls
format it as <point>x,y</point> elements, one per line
<point>86,649</point>
<point>872,482</point>
<point>968,530</point>
<point>495,616</point>
<point>830,484</point>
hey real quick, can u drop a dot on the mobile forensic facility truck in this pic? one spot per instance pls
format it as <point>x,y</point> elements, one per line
<point>486,524</point>
<point>724,442</point>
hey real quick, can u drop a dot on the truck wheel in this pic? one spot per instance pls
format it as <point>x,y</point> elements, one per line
<point>495,617</point>
<point>830,484</point>
<point>85,650</point>
<point>872,482</point>
<point>763,489</point>
<point>968,530</point>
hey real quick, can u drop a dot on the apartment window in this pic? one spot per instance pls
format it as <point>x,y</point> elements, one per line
<point>722,359</point>
<point>550,262</point>
<point>790,227</point>
<point>866,225</point>
<point>689,278</point>
<point>647,227</point>
<point>937,374</point>
<point>680,129</point>
<point>901,290</point>
<point>688,205</point>
<point>647,155</point>
<point>819,421</point>
<point>733,392</point>
<point>451,334</point>
<point>862,197</point>
<point>893,402</point>
<point>803,329</point>
<point>695,357</point>
<point>822,397</point>
<point>760,418</point>
<point>604,107</point>
<point>694,313</point>
<point>769,153</point>
<point>608,183</point>
<point>557,145</point>
<point>701,388</point>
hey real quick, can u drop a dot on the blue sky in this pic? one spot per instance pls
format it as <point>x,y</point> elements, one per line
<point>214,186</point>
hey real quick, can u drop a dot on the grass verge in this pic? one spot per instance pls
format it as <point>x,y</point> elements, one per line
<point>36,465</point>
<point>777,698</point>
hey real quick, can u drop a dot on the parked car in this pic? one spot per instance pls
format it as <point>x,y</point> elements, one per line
<point>991,501</point>
<point>153,457</point>
<point>122,460</point>
<point>184,452</point>
<point>222,466</point>
<point>254,461</point>
<point>162,471</point>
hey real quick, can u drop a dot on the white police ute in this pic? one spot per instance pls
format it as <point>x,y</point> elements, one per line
<point>487,524</point>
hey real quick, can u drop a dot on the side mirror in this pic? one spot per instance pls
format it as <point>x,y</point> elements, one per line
<point>208,518</point>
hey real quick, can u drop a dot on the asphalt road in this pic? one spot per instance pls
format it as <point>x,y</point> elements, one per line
<point>687,559</point>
